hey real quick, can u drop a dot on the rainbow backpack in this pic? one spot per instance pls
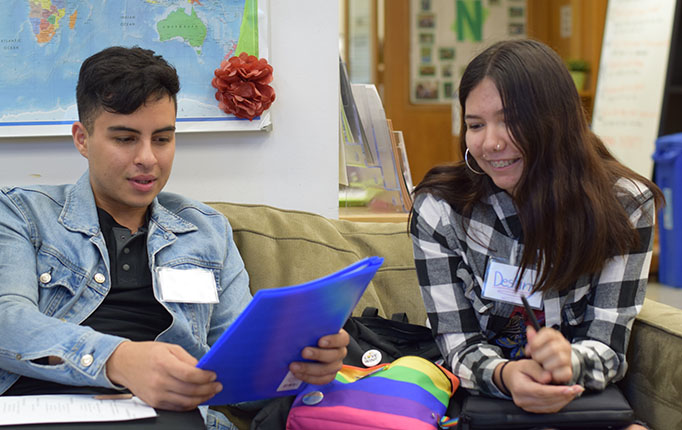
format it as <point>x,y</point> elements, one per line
<point>411,393</point>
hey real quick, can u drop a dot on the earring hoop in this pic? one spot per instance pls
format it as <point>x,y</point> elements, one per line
<point>466,160</point>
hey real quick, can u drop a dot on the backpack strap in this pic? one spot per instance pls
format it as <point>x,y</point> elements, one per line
<point>400,317</point>
<point>370,312</point>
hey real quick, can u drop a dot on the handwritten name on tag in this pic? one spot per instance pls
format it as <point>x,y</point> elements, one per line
<point>500,283</point>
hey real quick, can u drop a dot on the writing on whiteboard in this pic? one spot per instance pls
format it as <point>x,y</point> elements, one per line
<point>631,79</point>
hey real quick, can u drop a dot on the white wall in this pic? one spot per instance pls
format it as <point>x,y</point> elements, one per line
<point>294,166</point>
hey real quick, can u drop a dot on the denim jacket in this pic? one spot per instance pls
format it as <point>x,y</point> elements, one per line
<point>54,272</point>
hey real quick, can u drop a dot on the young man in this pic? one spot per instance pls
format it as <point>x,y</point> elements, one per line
<point>81,300</point>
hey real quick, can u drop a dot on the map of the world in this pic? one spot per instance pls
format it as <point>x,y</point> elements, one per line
<point>43,42</point>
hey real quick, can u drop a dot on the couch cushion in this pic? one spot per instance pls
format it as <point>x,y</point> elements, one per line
<point>285,247</point>
<point>653,383</point>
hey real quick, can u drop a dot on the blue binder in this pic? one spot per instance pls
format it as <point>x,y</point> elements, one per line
<point>252,357</point>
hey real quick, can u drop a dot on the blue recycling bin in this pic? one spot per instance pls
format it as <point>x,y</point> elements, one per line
<point>668,176</point>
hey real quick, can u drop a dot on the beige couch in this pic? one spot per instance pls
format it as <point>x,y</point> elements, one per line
<point>284,247</point>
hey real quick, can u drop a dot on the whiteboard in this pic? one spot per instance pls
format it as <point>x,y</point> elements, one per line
<point>631,81</point>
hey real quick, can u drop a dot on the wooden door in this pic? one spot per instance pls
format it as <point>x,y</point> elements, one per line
<point>587,31</point>
<point>426,128</point>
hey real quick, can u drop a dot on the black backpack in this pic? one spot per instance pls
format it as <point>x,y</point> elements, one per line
<point>392,338</point>
<point>370,335</point>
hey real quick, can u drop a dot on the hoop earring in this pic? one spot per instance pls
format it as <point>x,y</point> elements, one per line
<point>466,160</point>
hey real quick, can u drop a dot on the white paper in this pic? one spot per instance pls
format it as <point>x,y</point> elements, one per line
<point>187,286</point>
<point>70,408</point>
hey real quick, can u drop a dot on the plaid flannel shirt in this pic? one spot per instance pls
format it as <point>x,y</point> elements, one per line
<point>595,315</point>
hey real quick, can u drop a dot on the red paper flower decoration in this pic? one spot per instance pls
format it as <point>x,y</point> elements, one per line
<point>242,84</point>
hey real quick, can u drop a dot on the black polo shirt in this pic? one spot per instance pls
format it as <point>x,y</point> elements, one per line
<point>130,309</point>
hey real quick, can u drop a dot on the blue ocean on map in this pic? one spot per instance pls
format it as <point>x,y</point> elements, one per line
<point>43,42</point>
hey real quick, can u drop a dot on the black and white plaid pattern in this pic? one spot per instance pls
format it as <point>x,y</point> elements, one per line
<point>596,315</point>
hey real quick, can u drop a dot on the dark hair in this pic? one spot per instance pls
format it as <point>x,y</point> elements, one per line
<point>571,218</point>
<point>121,80</point>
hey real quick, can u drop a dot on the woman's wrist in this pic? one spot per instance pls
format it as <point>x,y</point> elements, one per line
<point>499,381</point>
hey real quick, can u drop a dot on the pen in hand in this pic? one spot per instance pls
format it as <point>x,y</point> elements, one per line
<point>531,314</point>
<point>536,325</point>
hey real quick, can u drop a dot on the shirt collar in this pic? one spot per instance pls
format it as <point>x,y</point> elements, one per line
<point>505,209</point>
<point>107,222</point>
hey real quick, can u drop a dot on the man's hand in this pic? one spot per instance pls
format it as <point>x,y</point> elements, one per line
<point>552,351</point>
<point>328,356</point>
<point>163,375</point>
<point>531,390</point>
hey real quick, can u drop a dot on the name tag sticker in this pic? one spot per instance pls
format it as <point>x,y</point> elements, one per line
<point>290,382</point>
<point>187,286</point>
<point>500,280</point>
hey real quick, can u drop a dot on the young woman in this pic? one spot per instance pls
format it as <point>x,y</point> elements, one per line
<point>538,205</point>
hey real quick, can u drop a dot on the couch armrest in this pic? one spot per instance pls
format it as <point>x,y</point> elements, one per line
<point>653,383</point>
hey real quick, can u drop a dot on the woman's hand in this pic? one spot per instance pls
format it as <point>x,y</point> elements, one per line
<point>531,390</point>
<point>552,351</point>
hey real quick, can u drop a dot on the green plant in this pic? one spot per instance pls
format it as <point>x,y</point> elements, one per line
<point>577,65</point>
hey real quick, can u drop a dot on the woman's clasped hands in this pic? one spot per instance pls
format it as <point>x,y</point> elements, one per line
<point>538,383</point>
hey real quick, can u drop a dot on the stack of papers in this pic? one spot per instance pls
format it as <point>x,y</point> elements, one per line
<point>70,409</point>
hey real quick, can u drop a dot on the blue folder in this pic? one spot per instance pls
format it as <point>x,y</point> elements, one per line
<point>252,357</point>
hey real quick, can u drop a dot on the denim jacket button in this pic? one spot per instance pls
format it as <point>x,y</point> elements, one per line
<point>45,278</point>
<point>99,278</point>
<point>87,360</point>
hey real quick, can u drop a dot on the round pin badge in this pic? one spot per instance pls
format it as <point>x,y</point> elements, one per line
<point>312,398</point>
<point>371,358</point>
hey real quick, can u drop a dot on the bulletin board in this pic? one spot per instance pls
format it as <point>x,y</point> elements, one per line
<point>446,35</point>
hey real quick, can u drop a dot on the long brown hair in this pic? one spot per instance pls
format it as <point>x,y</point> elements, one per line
<point>571,218</point>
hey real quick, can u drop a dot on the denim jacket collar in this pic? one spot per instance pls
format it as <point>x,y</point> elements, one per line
<point>80,212</point>
<point>168,220</point>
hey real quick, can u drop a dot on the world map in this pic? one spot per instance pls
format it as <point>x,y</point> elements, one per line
<point>43,43</point>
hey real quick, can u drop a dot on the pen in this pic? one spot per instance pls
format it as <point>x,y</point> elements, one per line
<point>530,313</point>
<point>121,396</point>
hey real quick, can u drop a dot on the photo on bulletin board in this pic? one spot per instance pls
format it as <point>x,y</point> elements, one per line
<point>426,90</point>
<point>448,90</point>
<point>446,35</point>
<point>44,46</point>
<point>426,38</point>
<point>427,70</point>
<point>426,54</point>
<point>446,53</point>
<point>426,20</point>
<point>446,71</point>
